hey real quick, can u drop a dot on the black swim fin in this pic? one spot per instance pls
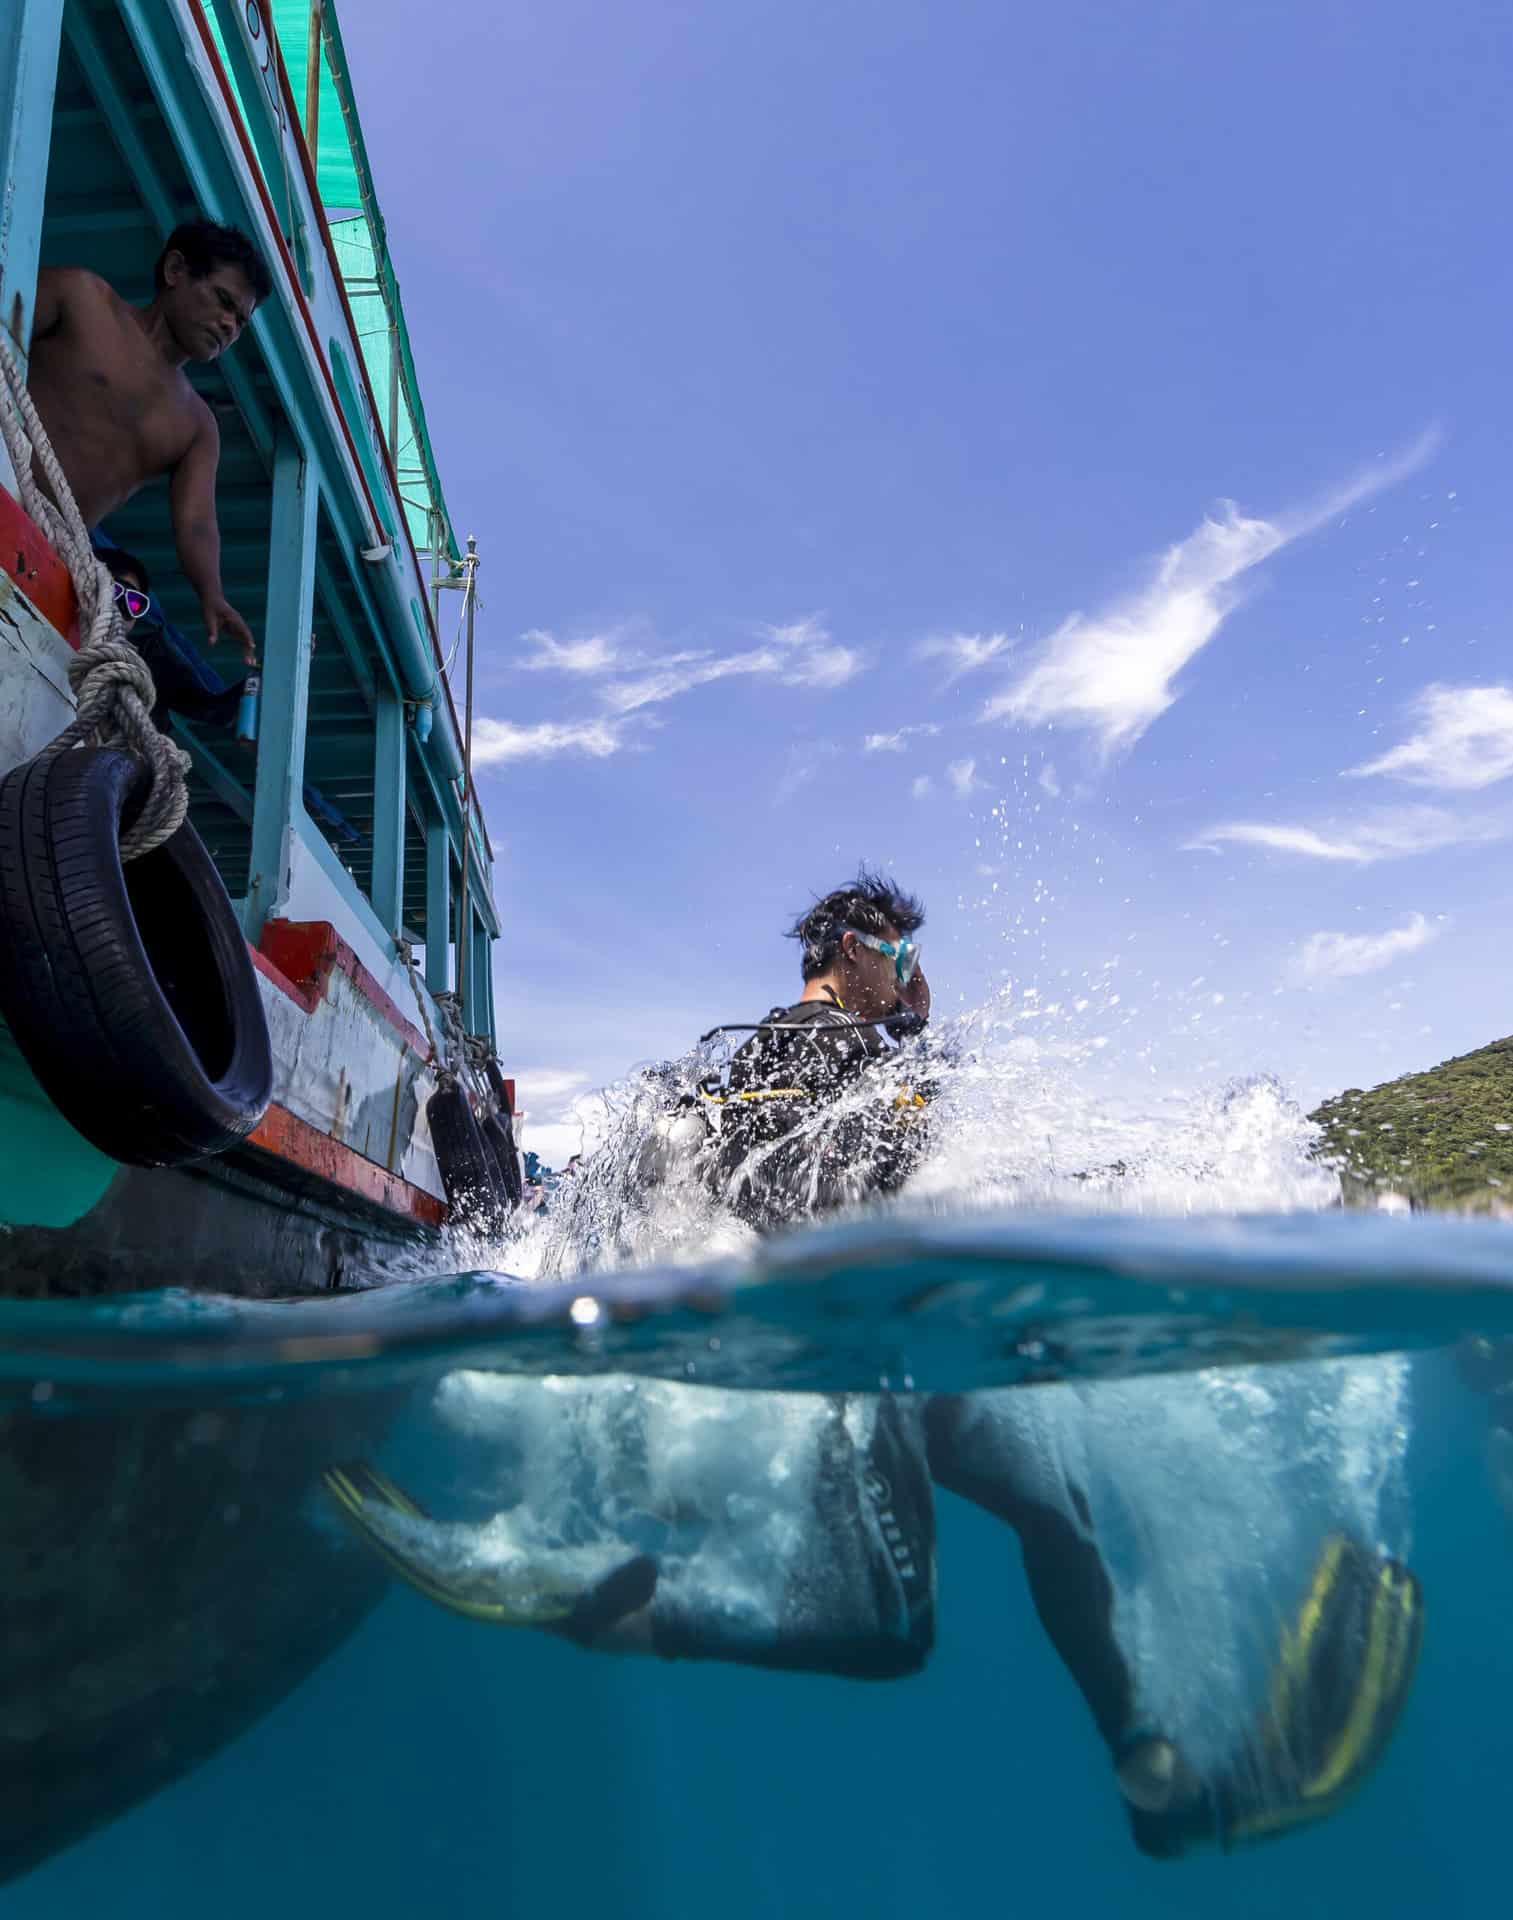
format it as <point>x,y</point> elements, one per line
<point>1340,1684</point>
<point>565,1589</point>
<point>1341,1679</point>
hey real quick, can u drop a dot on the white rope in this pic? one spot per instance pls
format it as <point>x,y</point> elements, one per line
<point>467,593</point>
<point>420,1000</point>
<point>111,683</point>
<point>460,1056</point>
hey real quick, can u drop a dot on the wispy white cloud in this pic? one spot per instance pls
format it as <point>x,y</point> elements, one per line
<point>1342,956</point>
<point>593,653</point>
<point>1112,672</point>
<point>1464,741</point>
<point>922,787</point>
<point>895,742</point>
<point>799,655</point>
<point>682,675</point>
<point>1048,781</point>
<point>824,668</point>
<point>963,652</point>
<point>496,741</point>
<point>797,635</point>
<point>813,658</point>
<point>962,775</point>
<point>1388,833</point>
<point>1278,839</point>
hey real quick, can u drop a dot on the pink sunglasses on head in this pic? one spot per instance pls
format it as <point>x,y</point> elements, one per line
<point>133,599</point>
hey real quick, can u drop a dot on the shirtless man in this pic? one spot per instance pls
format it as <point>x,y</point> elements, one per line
<point>108,380</point>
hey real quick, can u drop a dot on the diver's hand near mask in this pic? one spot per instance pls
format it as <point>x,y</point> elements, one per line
<point>913,1014</point>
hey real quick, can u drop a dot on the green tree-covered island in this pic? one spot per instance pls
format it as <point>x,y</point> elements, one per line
<point>1441,1139</point>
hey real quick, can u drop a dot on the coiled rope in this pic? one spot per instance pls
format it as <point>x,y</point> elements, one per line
<point>408,954</point>
<point>111,683</point>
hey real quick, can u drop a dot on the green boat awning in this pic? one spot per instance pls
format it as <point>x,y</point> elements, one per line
<point>345,184</point>
<point>339,173</point>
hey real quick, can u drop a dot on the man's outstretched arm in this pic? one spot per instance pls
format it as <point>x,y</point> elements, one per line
<point>198,536</point>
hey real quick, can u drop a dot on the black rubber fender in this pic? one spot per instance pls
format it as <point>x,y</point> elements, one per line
<point>465,1163</point>
<point>499,1139</point>
<point>128,990</point>
<point>499,1087</point>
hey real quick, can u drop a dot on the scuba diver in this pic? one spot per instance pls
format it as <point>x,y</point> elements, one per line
<point>797,1530</point>
<point>862,977</point>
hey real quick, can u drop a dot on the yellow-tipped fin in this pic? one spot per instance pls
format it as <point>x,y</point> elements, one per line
<point>1342,1679</point>
<point>537,1594</point>
<point>361,1492</point>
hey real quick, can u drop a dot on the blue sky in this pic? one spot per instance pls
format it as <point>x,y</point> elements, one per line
<point>1115,399</point>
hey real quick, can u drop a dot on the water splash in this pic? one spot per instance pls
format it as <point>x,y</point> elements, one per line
<point>1031,1105</point>
<point>1208,1495</point>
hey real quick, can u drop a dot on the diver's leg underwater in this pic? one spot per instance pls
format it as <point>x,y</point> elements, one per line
<point>791,1531</point>
<point>1242,1689</point>
<point>1196,1766</point>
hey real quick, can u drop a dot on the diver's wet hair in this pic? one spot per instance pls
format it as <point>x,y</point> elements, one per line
<point>206,246</point>
<point>871,904</point>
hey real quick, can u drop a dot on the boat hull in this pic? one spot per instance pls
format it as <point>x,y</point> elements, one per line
<point>340,1175</point>
<point>236,1226</point>
<point>170,1576</point>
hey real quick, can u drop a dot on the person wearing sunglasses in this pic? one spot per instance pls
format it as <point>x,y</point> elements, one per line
<point>782,1154</point>
<point>180,688</point>
<point>132,598</point>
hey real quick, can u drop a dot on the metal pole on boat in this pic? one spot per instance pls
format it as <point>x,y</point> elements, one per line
<point>464,906</point>
<point>394,395</point>
<point>312,81</point>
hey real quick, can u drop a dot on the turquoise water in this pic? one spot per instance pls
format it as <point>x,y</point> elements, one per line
<point>185,1598</point>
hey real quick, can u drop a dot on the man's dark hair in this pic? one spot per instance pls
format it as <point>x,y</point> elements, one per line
<point>121,563</point>
<point>871,904</point>
<point>206,246</point>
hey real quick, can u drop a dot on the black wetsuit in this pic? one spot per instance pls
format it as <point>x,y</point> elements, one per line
<point>180,689</point>
<point>778,1161</point>
<point>850,1591</point>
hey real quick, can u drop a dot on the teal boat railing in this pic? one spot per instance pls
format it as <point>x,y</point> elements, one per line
<point>118,119</point>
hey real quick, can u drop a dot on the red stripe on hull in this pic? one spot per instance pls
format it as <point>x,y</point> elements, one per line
<point>36,569</point>
<point>305,1001</point>
<point>289,1138</point>
<point>301,956</point>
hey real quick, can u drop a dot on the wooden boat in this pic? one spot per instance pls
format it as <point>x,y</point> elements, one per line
<point>340,835</point>
<point>168,1573</point>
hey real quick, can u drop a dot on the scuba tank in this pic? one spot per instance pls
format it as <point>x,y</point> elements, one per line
<point>673,1143</point>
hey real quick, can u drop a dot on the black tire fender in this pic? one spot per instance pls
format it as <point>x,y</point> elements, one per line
<point>499,1088</point>
<point>466,1166</point>
<point>128,990</point>
<point>498,1137</point>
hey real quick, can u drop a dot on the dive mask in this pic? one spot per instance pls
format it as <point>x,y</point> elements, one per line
<point>904,954</point>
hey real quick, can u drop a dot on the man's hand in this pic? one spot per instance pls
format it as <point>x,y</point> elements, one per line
<point>191,497</point>
<point>218,614</point>
<point>913,1008</point>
